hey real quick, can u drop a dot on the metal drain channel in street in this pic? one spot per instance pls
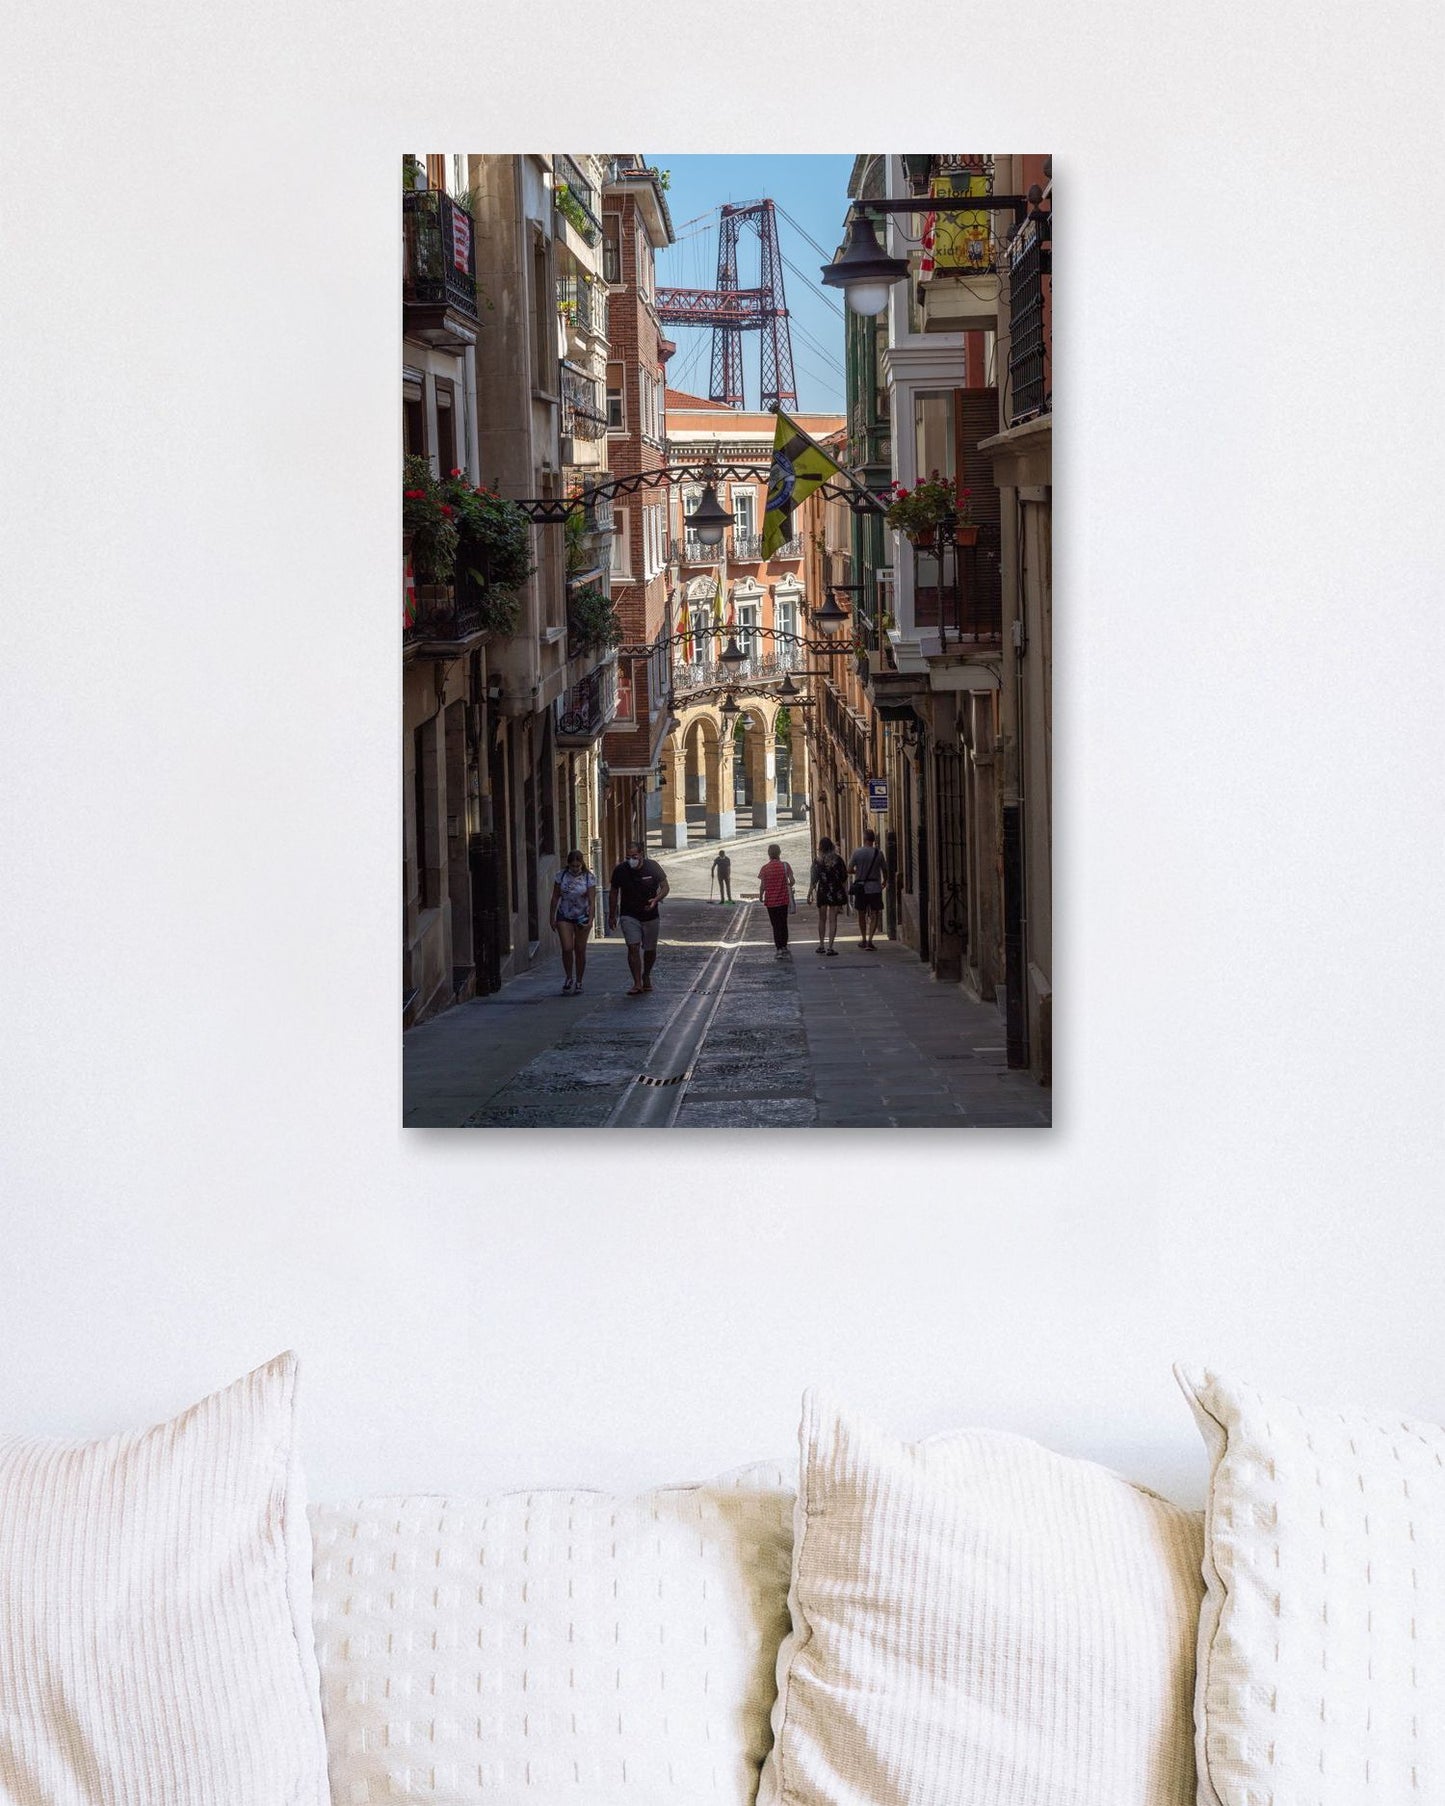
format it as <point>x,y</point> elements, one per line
<point>652,1100</point>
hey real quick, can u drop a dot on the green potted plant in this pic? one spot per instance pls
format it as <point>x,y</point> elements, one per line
<point>428,524</point>
<point>592,619</point>
<point>573,212</point>
<point>920,511</point>
<point>494,535</point>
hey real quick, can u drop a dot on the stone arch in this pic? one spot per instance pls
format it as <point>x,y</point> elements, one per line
<point>705,771</point>
<point>757,773</point>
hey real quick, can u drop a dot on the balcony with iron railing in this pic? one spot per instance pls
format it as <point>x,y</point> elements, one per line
<point>711,673</point>
<point>439,281</point>
<point>1030,277</point>
<point>583,712</point>
<point>446,614</point>
<point>580,304</point>
<point>576,199</point>
<point>583,416</point>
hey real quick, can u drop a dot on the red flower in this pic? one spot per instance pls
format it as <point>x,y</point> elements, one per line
<point>447,510</point>
<point>965,494</point>
<point>414,495</point>
<point>901,494</point>
<point>457,470</point>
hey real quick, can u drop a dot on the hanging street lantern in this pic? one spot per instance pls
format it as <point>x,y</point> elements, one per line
<point>864,271</point>
<point>732,655</point>
<point>708,519</point>
<point>830,617</point>
<point>729,708</point>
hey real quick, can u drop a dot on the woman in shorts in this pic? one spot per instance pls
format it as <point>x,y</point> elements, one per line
<point>828,888</point>
<point>574,893</point>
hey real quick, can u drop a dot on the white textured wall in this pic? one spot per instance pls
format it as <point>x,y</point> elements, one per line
<point>199,820</point>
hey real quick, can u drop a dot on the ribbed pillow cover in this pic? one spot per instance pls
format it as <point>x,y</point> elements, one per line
<point>979,1622</point>
<point>554,1648</point>
<point>1322,1635</point>
<point>155,1591</point>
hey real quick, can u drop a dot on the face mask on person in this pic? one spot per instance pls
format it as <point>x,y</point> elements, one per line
<point>634,863</point>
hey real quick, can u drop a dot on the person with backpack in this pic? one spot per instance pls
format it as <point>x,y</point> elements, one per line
<point>869,869</point>
<point>775,891</point>
<point>828,889</point>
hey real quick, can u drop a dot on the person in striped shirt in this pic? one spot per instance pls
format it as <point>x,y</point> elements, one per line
<point>775,889</point>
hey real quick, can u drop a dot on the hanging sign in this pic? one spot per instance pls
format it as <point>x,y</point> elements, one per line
<point>877,796</point>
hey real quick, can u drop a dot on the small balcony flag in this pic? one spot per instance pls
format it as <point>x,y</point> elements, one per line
<point>799,466</point>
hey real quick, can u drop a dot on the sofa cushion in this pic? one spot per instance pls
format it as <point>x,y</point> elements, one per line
<point>976,1619</point>
<point>155,1605</point>
<point>567,1646</point>
<point>1322,1635</point>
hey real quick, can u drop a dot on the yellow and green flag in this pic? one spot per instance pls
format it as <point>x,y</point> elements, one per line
<point>799,465</point>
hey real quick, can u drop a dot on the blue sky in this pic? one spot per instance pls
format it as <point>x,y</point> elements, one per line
<point>814,192</point>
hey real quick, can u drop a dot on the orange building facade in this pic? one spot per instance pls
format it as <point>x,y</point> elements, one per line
<point>727,773</point>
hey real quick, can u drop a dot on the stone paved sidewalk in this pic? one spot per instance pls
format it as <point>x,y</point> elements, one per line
<point>866,1040</point>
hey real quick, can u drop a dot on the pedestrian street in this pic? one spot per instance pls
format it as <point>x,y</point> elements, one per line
<point>732,1036</point>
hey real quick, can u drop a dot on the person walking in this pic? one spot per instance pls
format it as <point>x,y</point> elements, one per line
<point>869,869</point>
<point>828,888</point>
<point>638,885</point>
<point>776,891</point>
<point>722,870</point>
<point>574,892</point>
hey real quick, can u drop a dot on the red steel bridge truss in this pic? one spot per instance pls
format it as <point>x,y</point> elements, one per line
<point>731,311</point>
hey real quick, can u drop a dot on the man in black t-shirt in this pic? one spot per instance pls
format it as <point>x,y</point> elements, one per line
<point>638,885</point>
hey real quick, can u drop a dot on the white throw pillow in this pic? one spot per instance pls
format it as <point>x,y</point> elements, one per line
<point>155,1594</point>
<point>977,1620</point>
<point>1322,1635</point>
<point>553,1646</point>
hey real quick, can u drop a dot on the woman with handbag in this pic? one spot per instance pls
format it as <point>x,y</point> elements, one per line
<point>828,888</point>
<point>574,892</point>
<point>775,889</point>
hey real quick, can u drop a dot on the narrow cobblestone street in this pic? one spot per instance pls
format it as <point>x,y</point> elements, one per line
<point>732,1037</point>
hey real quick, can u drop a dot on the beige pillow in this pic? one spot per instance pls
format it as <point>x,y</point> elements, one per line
<point>1322,1637</point>
<point>155,1613</point>
<point>536,1649</point>
<point>977,1620</point>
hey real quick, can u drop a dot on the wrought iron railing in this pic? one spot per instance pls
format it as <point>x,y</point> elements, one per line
<point>578,301</point>
<point>579,190</point>
<point>583,416</point>
<point>790,548</point>
<point>957,588</point>
<point>441,254</point>
<point>446,612</point>
<point>712,673</point>
<point>585,710</point>
<point>1030,261</point>
<point>746,547</point>
<point>846,731</point>
<point>693,551</point>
